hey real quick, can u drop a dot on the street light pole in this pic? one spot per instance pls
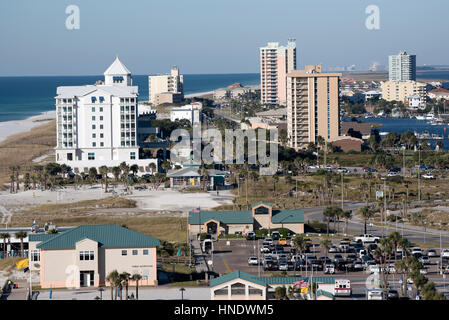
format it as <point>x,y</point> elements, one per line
<point>342,191</point>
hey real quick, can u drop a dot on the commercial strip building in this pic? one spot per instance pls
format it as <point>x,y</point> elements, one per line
<point>401,90</point>
<point>85,255</point>
<point>97,124</point>
<point>240,285</point>
<point>166,88</point>
<point>261,216</point>
<point>275,62</point>
<point>402,67</point>
<point>313,107</point>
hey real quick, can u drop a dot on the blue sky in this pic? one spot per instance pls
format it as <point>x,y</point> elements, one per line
<point>213,36</point>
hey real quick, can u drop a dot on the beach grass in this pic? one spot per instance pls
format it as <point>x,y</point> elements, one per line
<point>20,149</point>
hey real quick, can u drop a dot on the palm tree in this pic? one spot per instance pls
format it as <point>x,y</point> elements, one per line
<point>347,215</point>
<point>366,213</point>
<point>112,279</point>
<point>4,236</point>
<point>328,213</point>
<point>134,169</point>
<point>125,277</point>
<point>21,235</point>
<point>280,293</point>
<point>104,174</point>
<point>124,168</point>
<point>93,174</point>
<point>136,277</point>
<point>326,245</point>
<point>300,243</point>
<point>116,172</point>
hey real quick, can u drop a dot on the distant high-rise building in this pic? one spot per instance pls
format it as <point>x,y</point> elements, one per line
<point>275,62</point>
<point>313,107</point>
<point>160,86</point>
<point>402,67</point>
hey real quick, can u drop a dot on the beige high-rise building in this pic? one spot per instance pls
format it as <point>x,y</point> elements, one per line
<point>172,83</point>
<point>401,90</point>
<point>313,107</point>
<point>275,62</point>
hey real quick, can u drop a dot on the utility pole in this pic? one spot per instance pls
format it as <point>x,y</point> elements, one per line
<point>403,161</point>
<point>342,192</point>
<point>385,206</point>
<point>419,168</point>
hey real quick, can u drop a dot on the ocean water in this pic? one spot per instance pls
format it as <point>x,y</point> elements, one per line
<point>23,97</point>
<point>401,125</point>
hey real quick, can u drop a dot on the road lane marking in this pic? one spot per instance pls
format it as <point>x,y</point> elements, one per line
<point>224,260</point>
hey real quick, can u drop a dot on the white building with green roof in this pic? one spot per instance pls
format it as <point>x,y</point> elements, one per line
<point>85,255</point>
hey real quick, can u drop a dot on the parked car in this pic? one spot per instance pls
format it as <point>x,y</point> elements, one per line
<point>275,235</point>
<point>367,238</point>
<point>333,249</point>
<point>374,294</point>
<point>250,236</point>
<point>390,269</point>
<point>392,294</point>
<point>342,170</point>
<point>329,268</point>
<point>268,240</point>
<point>416,250</point>
<point>445,253</point>
<point>282,242</point>
<point>351,257</point>
<point>357,265</point>
<point>392,174</point>
<point>253,261</point>
<point>265,249</point>
<point>344,248</point>
<point>446,269</point>
<point>432,253</point>
<point>424,260</point>
<point>338,258</point>
<point>373,267</point>
<point>428,176</point>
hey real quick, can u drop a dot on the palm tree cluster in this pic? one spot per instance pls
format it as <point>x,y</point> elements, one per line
<point>118,281</point>
<point>336,213</point>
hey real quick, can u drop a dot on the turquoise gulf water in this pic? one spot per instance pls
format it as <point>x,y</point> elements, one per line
<point>23,97</point>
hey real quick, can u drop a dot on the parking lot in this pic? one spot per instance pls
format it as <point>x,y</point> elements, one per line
<point>348,263</point>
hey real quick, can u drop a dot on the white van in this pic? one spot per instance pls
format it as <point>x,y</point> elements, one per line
<point>342,288</point>
<point>374,294</point>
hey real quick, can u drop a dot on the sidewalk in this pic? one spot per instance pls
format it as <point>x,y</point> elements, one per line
<point>21,293</point>
<point>199,257</point>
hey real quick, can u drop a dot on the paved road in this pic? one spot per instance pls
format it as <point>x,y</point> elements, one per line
<point>356,226</point>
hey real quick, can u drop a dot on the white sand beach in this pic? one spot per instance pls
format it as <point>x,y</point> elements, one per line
<point>9,128</point>
<point>198,94</point>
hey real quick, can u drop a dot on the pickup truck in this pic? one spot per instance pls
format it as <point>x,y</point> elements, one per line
<point>366,238</point>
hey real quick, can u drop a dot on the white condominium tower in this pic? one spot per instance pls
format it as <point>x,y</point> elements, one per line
<point>172,83</point>
<point>402,67</point>
<point>275,62</point>
<point>97,124</point>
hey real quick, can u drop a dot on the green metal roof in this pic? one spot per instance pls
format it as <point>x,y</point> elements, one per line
<point>288,216</point>
<point>228,217</point>
<point>325,293</point>
<point>264,281</point>
<point>107,236</point>
<point>261,202</point>
<point>41,236</point>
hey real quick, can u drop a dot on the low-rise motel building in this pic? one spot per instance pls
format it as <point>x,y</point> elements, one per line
<point>261,216</point>
<point>85,255</point>
<point>239,285</point>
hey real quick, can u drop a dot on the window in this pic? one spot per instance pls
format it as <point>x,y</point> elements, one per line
<point>91,156</point>
<point>101,144</point>
<point>124,253</point>
<point>69,156</point>
<point>35,255</point>
<point>94,144</point>
<point>86,255</point>
<point>93,109</point>
<point>93,118</point>
<point>101,109</point>
<point>145,252</point>
<point>101,118</point>
<point>101,126</point>
<point>93,127</point>
<point>94,135</point>
<point>132,155</point>
<point>93,99</point>
<point>101,100</point>
<point>101,135</point>
<point>134,252</point>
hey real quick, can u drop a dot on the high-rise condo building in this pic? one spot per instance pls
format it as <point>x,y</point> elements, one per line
<point>166,88</point>
<point>312,106</point>
<point>402,67</point>
<point>275,62</point>
<point>97,124</point>
<point>402,90</point>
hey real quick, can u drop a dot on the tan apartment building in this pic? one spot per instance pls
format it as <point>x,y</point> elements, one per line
<point>171,84</point>
<point>313,107</point>
<point>85,255</point>
<point>401,90</point>
<point>275,62</point>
